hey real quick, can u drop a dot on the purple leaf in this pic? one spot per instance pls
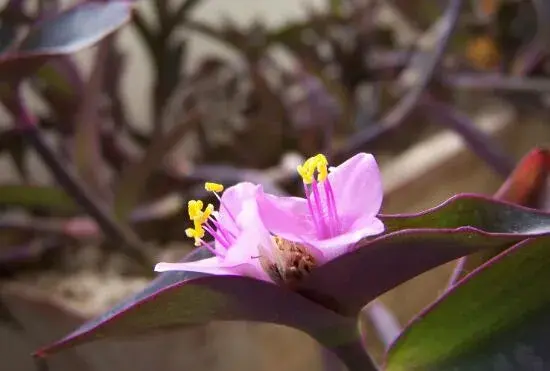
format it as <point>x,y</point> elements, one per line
<point>469,223</point>
<point>418,242</point>
<point>68,32</point>
<point>180,299</point>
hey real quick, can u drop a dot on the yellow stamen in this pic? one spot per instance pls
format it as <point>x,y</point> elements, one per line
<point>197,233</point>
<point>317,163</point>
<point>213,187</point>
<point>199,217</point>
<point>194,207</point>
<point>322,167</point>
<point>203,217</point>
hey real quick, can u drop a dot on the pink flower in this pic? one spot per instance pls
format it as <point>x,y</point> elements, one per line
<point>340,207</point>
<point>234,230</point>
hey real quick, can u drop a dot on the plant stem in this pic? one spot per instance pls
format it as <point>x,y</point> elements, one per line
<point>354,356</point>
<point>347,344</point>
<point>76,189</point>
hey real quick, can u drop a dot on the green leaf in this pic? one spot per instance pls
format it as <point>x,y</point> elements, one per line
<point>525,186</point>
<point>471,210</point>
<point>32,196</point>
<point>498,304</point>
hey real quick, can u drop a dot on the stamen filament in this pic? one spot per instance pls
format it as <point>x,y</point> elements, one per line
<point>331,201</point>
<point>318,205</point>
<point>224,231</point>
<point>218,237</point>
<point>212,249</point>
<point>311,212</point>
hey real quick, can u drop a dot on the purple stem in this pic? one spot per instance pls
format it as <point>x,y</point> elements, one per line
<point>479,142</point>
<point>352,354</point>
<point>385,323</point>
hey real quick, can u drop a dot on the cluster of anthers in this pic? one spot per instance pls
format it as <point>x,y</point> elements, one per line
<point>204,220</point>
<point>320,196</point>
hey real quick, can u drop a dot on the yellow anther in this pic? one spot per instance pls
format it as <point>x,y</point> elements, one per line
<point>213,187</point>
<point>306,173</point>
<point>317,163</point>
<point>321,164</point>
<point>197,233</point>
<point>204,215</point>
<point>194,207</point>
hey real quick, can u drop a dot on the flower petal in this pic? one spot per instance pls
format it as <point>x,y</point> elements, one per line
<point>357,186</point>
<point>212,265</point>
<point>233,199</point>
<point>287,217</point>
<point>363,227</point>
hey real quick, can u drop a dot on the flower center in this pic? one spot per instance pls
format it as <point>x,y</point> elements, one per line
<point>292,262</point>
<point>205,220</point>
<point>320,196</point>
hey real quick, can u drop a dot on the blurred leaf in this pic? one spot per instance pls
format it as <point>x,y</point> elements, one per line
<point>527,182</point>
<point>13,142</point>
<point>134,179</point>
<point>542,8</point>
<point>60,84</point>
<point>180,15</point>
<point>415,243</point>
<point>87,151</point>
<point>31,196</point>
<point>488,317</point>
<point>420,71</point>
<point>336,6</point>
<point>10,18</point>
<point>41,317</point>
<point>481,143</point>
<point>181,299</point>
<point>70,31</point>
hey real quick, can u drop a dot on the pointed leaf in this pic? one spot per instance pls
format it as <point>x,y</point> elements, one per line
<point>526,186</point>
<point>346,284</point>
<point>60,84</point>
<point>180,299</point>
<point>418,242</point>
<point>32,196</point>
<point>68,32</point>
<point>498,315</point>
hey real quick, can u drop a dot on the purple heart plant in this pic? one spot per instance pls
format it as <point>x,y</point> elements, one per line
<point>313,263</point>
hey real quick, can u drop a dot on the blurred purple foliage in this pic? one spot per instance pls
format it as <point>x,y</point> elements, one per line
<point>355,83</point>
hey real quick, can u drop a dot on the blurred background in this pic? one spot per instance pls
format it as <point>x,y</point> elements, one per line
<point>447,95</point>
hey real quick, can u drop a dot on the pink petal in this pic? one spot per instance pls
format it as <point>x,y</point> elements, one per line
<point>212,265</point>
<point>287,217</point>
<point>357,186</point>
<point>341,244</point>
<point>233,199</point>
